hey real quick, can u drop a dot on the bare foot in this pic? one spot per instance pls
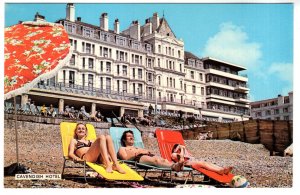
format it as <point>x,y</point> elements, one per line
<point>227,170</point>
<point>117,167</point>
<point>221,172</point>
<point>109,168</point>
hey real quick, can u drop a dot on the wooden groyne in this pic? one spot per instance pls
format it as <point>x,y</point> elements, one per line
<point>274,135</point>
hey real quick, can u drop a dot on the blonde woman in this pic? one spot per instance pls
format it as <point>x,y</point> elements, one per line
<point>100,150</point>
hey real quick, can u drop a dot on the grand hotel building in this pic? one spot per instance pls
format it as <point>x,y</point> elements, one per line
<point>145,64</point>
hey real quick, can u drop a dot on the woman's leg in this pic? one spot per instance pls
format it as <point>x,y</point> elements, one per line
<point>211,167</point>
<point>112,153</point>
<point>99,148</point>
<point>161,162</point>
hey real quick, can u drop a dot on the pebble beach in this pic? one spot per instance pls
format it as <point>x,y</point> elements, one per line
<point>41,151</point>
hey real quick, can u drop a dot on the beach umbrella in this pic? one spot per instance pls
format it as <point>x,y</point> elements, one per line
<point>33,51</point>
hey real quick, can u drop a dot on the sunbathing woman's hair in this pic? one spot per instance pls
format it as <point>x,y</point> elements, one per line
<point>174,147</point>
<point>123,138</point>
<point>75,135</point>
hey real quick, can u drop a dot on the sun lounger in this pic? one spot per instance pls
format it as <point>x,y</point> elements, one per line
<point>168,138</point>
<point>67,133</point>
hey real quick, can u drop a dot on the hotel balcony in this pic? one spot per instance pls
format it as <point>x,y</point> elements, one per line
<point>226,74</point>
<point>241,88</point>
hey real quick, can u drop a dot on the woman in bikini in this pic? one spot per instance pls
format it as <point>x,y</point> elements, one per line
<point>179,151</point>
<point>99,150</point>
<point>130,152</point>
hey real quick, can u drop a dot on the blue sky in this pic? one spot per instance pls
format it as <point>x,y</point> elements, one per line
<point>257,36</point>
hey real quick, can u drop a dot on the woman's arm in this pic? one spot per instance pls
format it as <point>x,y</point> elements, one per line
<point>72,150</point>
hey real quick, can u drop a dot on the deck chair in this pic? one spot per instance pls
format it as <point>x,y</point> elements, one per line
<point>116,134</point>
<point>67,133</point>
<point>167,139</point>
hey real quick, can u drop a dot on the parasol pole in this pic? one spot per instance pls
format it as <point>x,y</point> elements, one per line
<point>16,132</point>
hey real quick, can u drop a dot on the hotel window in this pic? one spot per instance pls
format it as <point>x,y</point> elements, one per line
<point>171,82</point>
<point>124,70</point>
<point>178,53</point>
<point>276,111</point>
<point>159,48</point>
<point>158,62</point>
<point>285,110</point>
<point>118,69</point>
<point>104,36</point>
<point>83,80</point>
<point>101,66</point>
<point>170,65</point>
<point>185,88</point>
<point>100,51</point>
<point>149,64</point>
<point>120,41</point>
<point>83,63</point>
<point>149,77</point>
<point>140,73</point>
<point>101,83</point>
<point>194,89</point>
<point>83,47</point>
<point>91,63</point>
<point>108,67</point>
<point>133,72</point>
<point>181,85</point>
<point>71,77</point>
<point>159,81</point>
<point>105,52</point>
<point>87,32</point>
<point>136,59</point>
<point>202,90</point>
<point>174,83</point>
<point>191,62</point>
<point>88,48</point>
<point>118,86</point>
<point>140,89</point>
<point>172,52</point>
<point>72,60</point>
<point>122,56</point>
<point>70,27</point>
<point>124,86</point>
<point>64,76</point>
<point>90,80</point>
<point>159,96</point>
<point>286,118</point>
<point>75,45</point>
<point>201,76</point>
<point>108,85</point>
<point>192,75</point>
<point>180,67</point>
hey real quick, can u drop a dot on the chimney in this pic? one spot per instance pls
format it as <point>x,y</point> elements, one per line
<point>135,30</point>
<point>70,12</point>
<point>117,26</point>
<point>39,18</point>
<point>79,19</point>
<point>155,21</point>
<point>104,21</point>
<point>147,27</point>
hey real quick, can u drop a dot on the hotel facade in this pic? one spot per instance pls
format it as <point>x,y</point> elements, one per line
<point>280,108</point>
<point>126,71</point>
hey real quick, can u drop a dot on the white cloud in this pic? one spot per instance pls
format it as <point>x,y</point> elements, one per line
<point>284,71</point>
<point>231,44</point>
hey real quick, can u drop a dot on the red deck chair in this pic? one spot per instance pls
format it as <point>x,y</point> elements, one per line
<point>168,138</point>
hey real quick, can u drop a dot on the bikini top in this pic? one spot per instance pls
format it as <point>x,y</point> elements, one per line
<point>82,144</point>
